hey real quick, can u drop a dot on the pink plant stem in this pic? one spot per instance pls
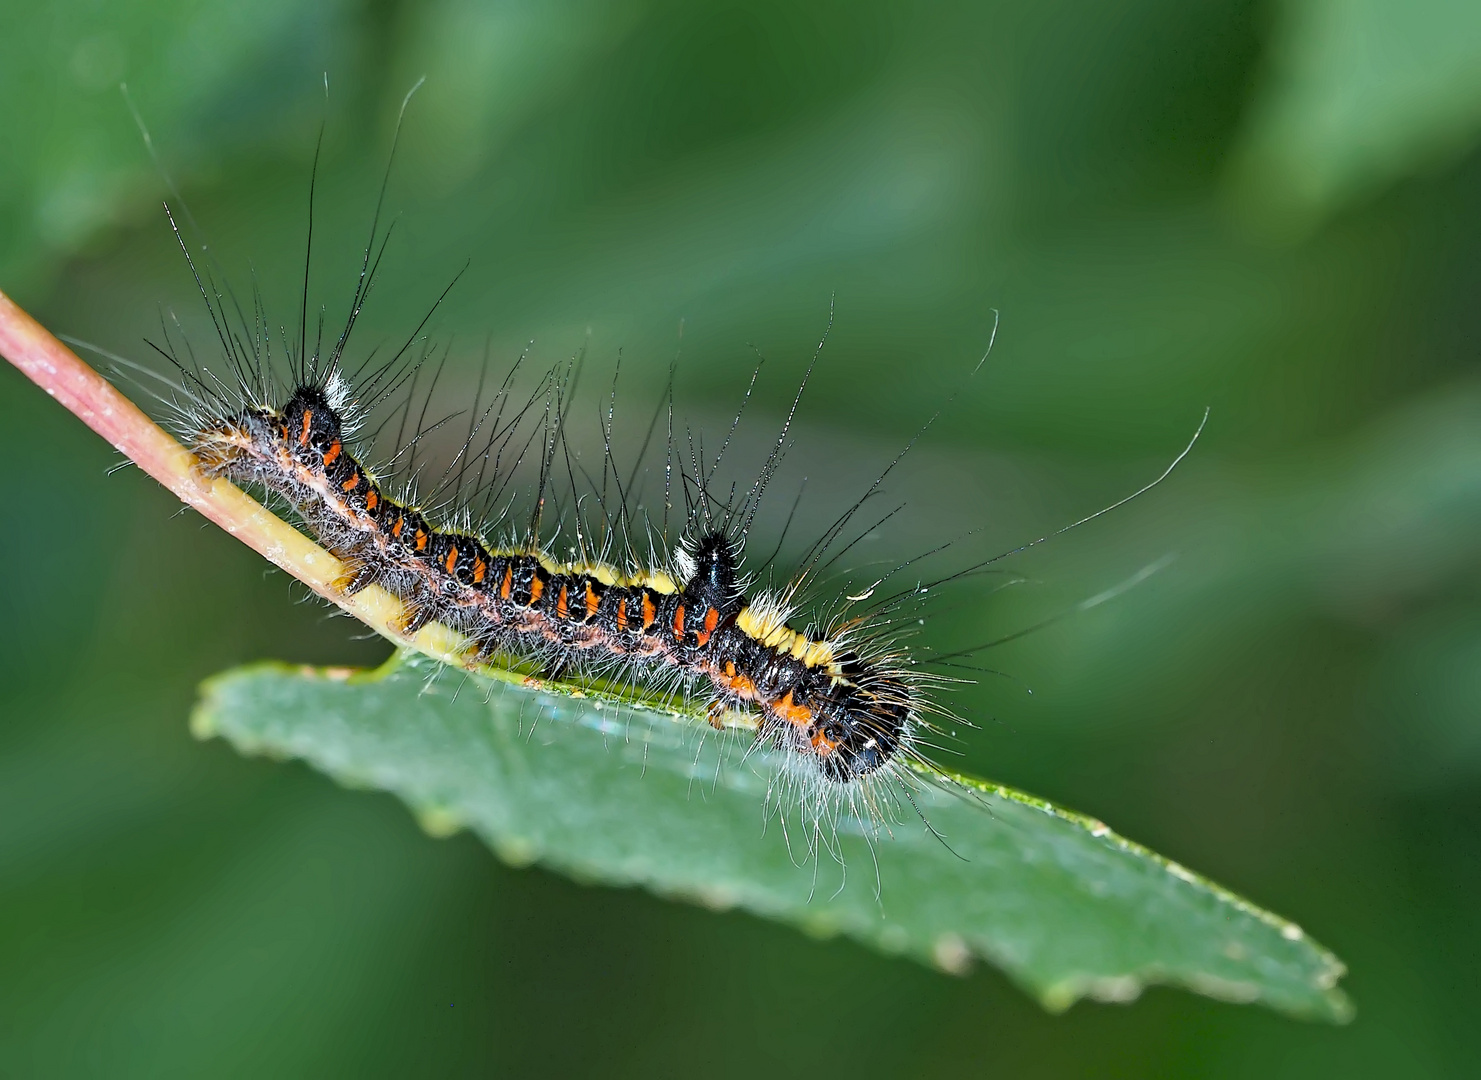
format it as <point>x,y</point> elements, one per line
<point>98,404</point>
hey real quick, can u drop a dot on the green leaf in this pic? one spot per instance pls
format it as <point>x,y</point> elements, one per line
<point>629,796</point>
<point>1361,93</point>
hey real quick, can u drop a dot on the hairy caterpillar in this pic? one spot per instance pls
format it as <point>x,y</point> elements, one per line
<point>846,710</point>
<point>843,700</point>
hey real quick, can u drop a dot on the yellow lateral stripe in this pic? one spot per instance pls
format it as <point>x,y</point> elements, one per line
<point>775,635</point>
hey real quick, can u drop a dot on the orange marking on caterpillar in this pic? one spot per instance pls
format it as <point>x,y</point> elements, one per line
<point>592,600</point>
<point>679,623</point>
<point>560,604</point>
<point>822,744</point>
<point>537,588</point>
<point>308,418</point>
<point>421,543</point>
<point>451,562</point>
<point>332,454</point>
<point>352,483</point>
<point>479,569</point>
<point>507,584</point>
<point>650,611</point>
<point>396,528</point>
<point>712,619</point>
<point>622,614</point>
<point>372,500</point>
<point>800,715</point>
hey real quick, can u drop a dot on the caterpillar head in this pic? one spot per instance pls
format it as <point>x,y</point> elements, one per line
<point>861,730</point>
<point>310,423</point>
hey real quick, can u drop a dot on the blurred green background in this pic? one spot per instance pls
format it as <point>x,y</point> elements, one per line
<point>1270,208</point>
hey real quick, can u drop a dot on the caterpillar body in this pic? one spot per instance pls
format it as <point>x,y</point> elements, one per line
<point>842,699</point>
<point>848,713</point>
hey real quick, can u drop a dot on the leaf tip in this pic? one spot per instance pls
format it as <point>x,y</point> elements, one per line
<point>1342,1010</point>
<point>203,723</point>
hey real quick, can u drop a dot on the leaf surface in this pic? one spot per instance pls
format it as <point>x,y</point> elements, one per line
<point>623,795</point>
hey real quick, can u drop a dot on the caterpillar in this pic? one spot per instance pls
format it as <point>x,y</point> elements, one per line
<point>844,701</point>
<point>849,713</point>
